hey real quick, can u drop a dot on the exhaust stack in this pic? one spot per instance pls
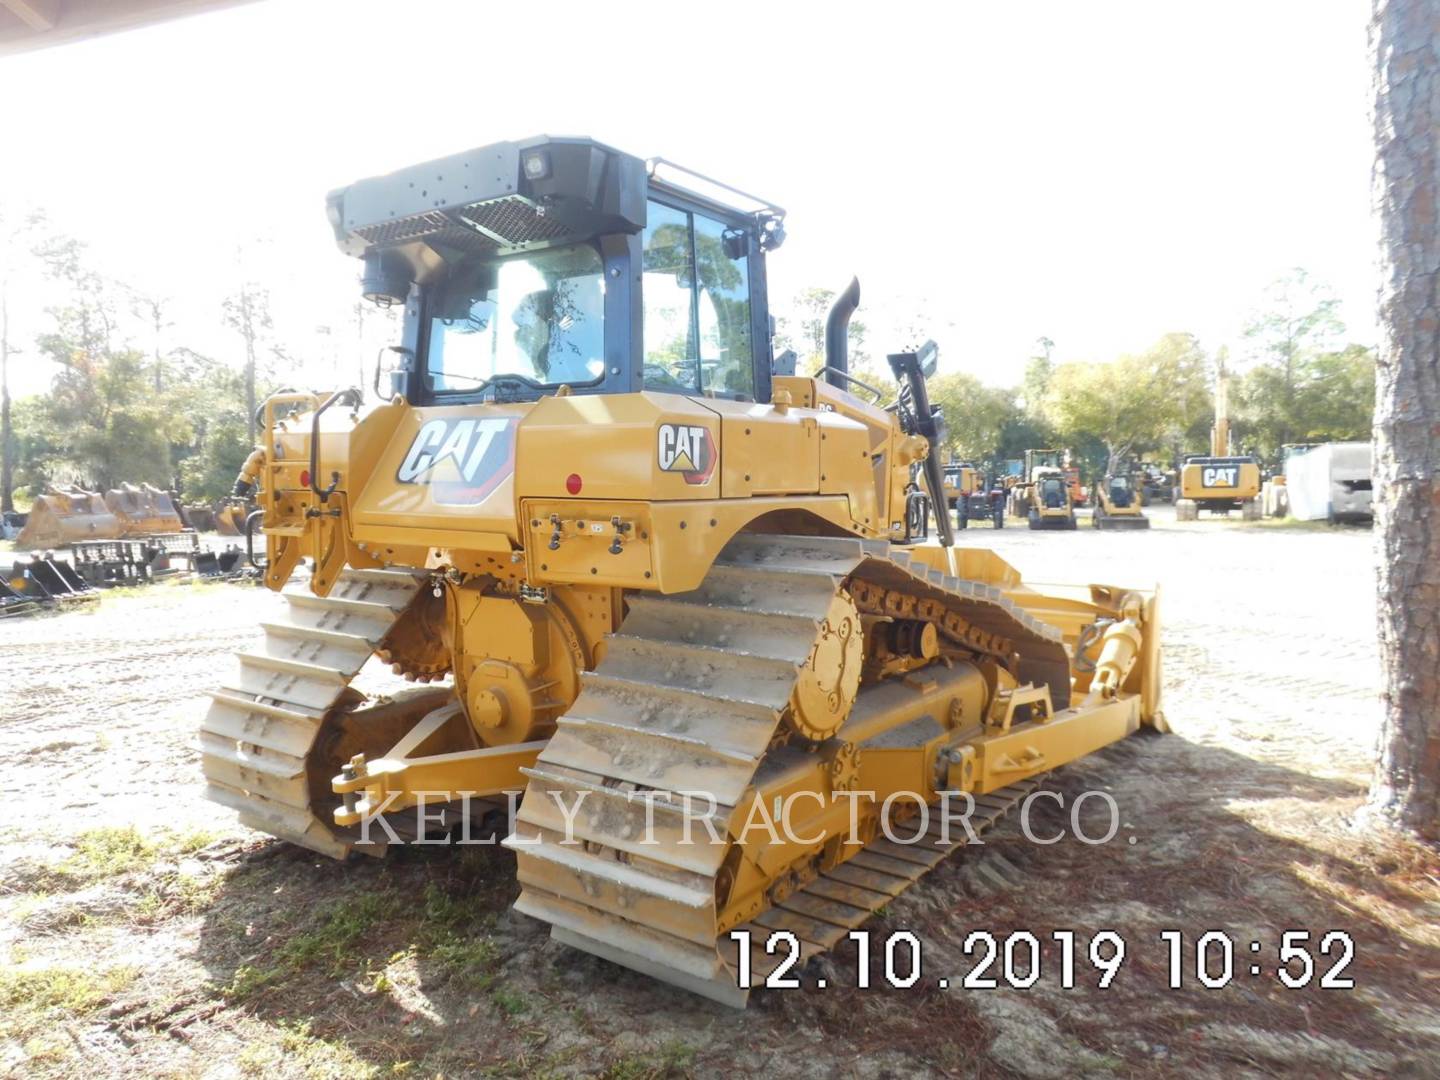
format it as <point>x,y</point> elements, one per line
<point>837,332</point>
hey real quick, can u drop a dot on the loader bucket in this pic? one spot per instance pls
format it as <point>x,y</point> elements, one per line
<point>64,516</point>
<point>200,518</point>
<point>50,580</point>
<point>143,510</point>
<point>230,520</point>
<point>1120,521</point>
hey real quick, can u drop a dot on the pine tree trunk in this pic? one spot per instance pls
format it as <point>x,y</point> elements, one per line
<point>1405,49</point>
<point>7,436</point>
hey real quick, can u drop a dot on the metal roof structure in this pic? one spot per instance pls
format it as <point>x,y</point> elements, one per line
<point>26,25</point>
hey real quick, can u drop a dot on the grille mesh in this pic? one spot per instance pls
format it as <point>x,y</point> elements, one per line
<point>402,229</point>
<point>514,219</point>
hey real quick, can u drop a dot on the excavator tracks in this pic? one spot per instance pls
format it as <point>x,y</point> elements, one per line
<point>690,697</point>
<point>266,718</point>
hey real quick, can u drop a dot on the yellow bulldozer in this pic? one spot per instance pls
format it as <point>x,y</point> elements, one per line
<point>1043,495</point>
<point>657,588</point>
<point>1223,480</point>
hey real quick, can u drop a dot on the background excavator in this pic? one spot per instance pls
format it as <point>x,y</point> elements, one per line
<point>1224,480</point>
<point>648,581</point>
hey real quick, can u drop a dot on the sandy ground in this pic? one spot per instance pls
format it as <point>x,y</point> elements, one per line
<point>192,947</point>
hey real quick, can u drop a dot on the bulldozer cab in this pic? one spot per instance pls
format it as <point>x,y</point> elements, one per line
<point>527,266</point>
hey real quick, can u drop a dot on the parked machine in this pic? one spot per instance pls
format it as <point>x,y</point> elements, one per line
<point>1330,482</point>
<point>1118,501</point>
<point>1224,480</point>
<point>960,478</point>
<point>1042,495</point>
<point>984,502</point>
<point>1157,484</point>
<point>1072,480</point>
<point>971,498</point>
<point>667,584</point>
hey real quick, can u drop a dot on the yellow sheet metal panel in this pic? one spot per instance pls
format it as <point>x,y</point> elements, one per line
<point>449,469</point>
<point>618,446</point>
<point>1221,480</point>
<point>767,451</point>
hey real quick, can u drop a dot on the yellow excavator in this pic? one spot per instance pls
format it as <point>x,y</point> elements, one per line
<point>1223,480</point>
<point>663,591</point>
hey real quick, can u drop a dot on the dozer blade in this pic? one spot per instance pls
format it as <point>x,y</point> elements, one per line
<point>143,510</point>
<point>265,720</point>
<point>64,516</point>
<point>688,699</point>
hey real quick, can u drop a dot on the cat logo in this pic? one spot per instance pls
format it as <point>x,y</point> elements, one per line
<point>687,449</point>
<point>461,461</point>
<point>1217,476</point>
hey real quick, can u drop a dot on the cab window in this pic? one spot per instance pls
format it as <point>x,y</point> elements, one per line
<point>697,334</point>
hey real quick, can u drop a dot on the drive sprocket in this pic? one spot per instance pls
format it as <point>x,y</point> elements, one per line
<point>416,647</point>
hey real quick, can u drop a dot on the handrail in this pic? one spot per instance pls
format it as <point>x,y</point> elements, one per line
<point>324,494</point>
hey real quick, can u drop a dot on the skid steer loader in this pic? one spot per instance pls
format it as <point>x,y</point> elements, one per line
<point>1043,495</point>
<point>1117,502</point>
<point>661,589</point>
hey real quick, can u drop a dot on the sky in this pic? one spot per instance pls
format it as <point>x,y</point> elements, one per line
<point>1096,173</point>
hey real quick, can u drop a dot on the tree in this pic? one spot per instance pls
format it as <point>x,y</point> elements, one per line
<point>975,415</point>
<point>248,313</point>
<point>1130,404</point>
<point>1298,323</point>
<point>802,328</point>
<point>13,230</point>
<point>108,424</point>
<point>1406,785</point>
<point>155,311</point>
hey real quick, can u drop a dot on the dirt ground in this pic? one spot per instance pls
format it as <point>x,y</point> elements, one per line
<point>144,934</point>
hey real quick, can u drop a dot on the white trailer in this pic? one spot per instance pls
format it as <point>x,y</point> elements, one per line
<point>1330,482</point>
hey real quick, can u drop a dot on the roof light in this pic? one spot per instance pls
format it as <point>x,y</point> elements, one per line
<point>536,164</point>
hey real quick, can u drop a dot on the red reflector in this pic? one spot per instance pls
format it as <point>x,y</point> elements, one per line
<point>304,477</point>
<point>572,483</point>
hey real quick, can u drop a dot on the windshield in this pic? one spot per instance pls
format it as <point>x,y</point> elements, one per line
<point>539,316</point>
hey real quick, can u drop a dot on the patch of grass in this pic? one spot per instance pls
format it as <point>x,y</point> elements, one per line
<point>298,1048</point>
<point>34,998</point>
<point>511,1002</point>
<point>468,961</point>
<point>329,944</point>
<point>674,1059</point>
<point>112,850</point>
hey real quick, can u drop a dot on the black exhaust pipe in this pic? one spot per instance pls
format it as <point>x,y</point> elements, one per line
<point>837,332</point>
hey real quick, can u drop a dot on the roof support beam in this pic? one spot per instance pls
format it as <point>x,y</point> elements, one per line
<point>36,14</point>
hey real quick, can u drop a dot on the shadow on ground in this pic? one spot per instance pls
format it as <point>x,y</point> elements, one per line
<point>418,958</point>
